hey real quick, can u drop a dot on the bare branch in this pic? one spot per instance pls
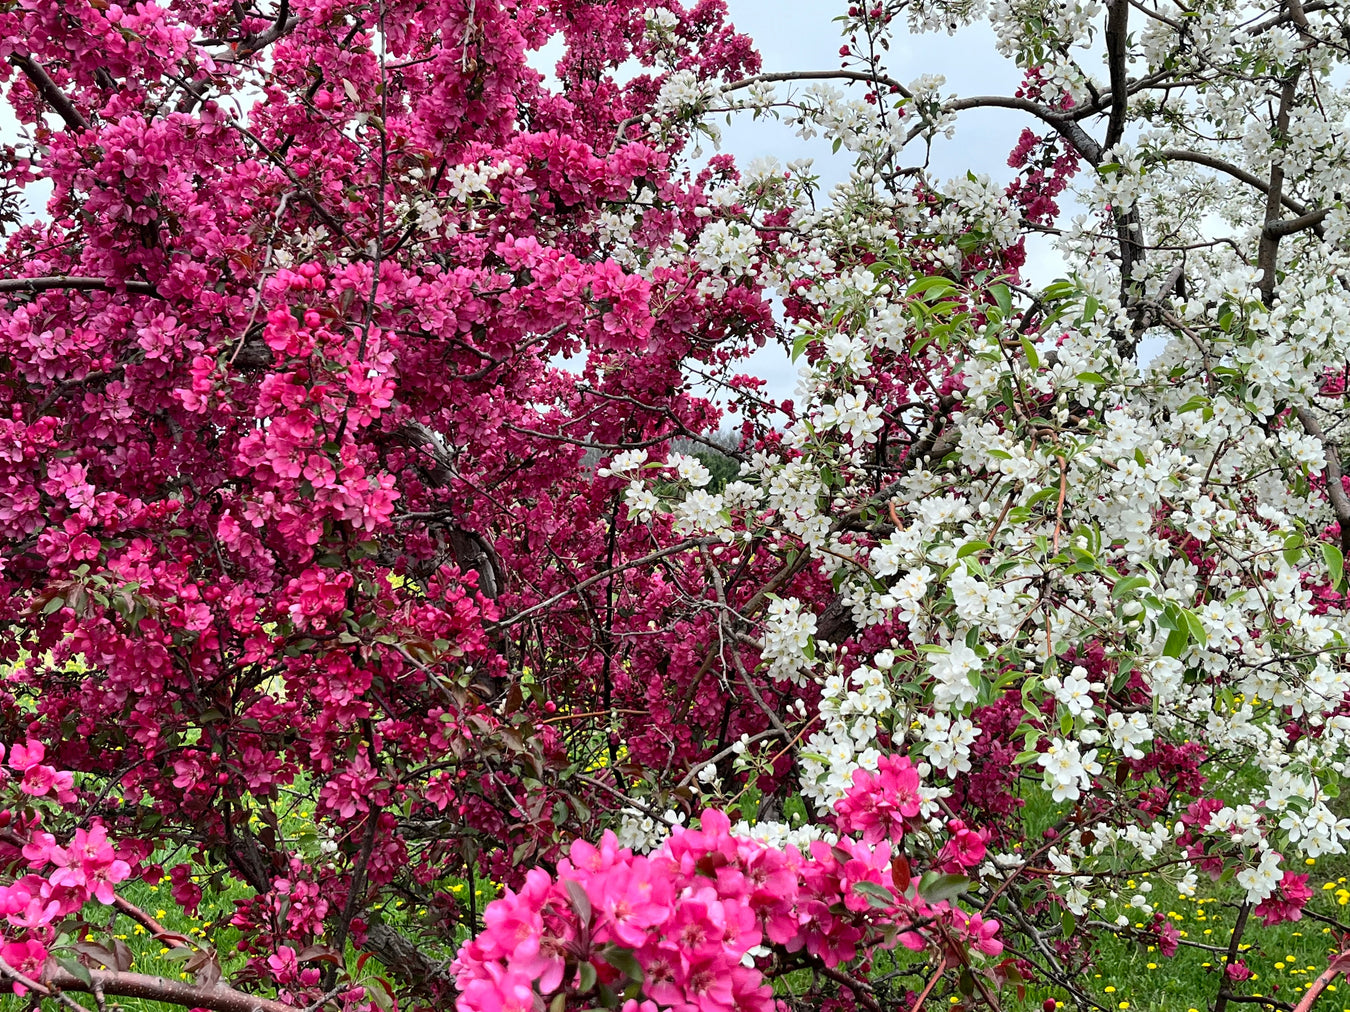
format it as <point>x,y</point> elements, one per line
<point>1117,42</point>
<point>683,546</point>
<point>821,75</point>
<point>1340,502</point>
<point>1063,125</point>
<point>1288,226</point>
<point>284,24</point>
<point>1266,257</point>
<point>46,284</point>
<point>216,997</point>
<point>1228,168</point>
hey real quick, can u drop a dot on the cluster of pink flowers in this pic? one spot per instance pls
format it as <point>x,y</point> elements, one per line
<point>1286,903</point>
<point>61,878</point>
<point>880,805</point>
<point>692,922</point>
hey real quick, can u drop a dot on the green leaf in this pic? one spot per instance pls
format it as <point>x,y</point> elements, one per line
<point>1128,585</point>
<point>1335,561</point>
<point>930,288</point>
<point>1293,549</point>
<point>624,961</point>
<point>587,977</point>
<point>936,886</point>
<point>1095,378</point>
<point>1195,626</point>
<point>76,969</point>
<point>1033,359</point>
<point>581,903</point>
<point>971,548</point>
<point>54,605</point>
<point>1003,297</point>
<point>877,895</point>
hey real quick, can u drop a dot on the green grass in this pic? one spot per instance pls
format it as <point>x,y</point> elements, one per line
<point>1284,958</point>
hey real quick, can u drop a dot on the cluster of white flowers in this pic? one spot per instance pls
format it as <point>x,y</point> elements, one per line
<point>849,710</point>
<point>683,93</point>
<point>468,180</point>
<point>642,833</point>
<point>853,416</point>
<point>947,742</point>
<point>1068,771</point>
<point>788,632</point>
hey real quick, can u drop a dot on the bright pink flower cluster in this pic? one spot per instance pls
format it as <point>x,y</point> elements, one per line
<point>61,879</point>
<point>880,805</point>
<point>691,922</point>
<point>38,779</point>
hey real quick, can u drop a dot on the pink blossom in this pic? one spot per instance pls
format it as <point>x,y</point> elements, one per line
<point>1287,902</point>
<point>879,804</point>
<point>27,957</point>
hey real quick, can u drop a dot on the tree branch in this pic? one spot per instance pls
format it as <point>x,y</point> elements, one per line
<point>216,997</point>
<point>1228,168</point>
<point>1267,252</point>
<point>50,93</point>
<point>1288,226</point>
<point>79,284</point>
<point>1117,43</point>
<point>683,546</point>
<point>1340,502</point>
<point>821,75</point>
<point>1065,126</point>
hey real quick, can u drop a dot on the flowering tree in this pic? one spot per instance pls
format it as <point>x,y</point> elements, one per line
<point>1029,589</point>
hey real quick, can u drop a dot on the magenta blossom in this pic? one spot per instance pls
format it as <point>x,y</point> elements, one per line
<point>880,804</point>
<point>1286,903</point>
